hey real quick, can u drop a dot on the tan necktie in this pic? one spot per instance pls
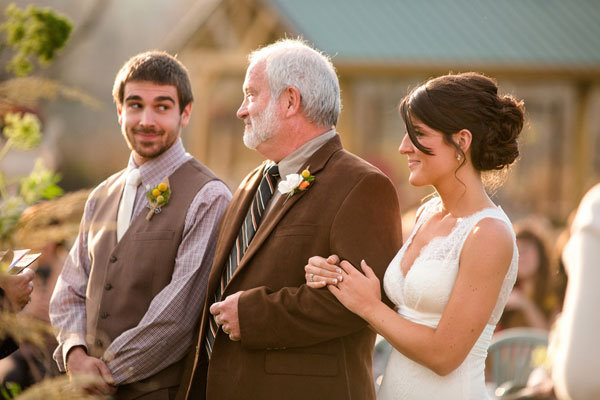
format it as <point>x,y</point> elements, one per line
<point>126,205</point>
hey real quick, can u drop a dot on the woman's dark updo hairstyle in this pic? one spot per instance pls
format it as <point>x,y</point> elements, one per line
<point>470,101</point>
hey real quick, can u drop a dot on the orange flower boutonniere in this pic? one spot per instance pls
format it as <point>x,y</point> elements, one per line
<point>295,183</point>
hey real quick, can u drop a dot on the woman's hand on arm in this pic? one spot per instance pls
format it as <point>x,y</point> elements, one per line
<point>323,271</point>
<point>355,291</point>
<point>359,293</point>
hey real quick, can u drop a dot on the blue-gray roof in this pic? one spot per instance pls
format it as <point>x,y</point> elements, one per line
<point>552,33</point>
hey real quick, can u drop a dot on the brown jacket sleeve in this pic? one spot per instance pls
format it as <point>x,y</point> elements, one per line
<point>367,226</point>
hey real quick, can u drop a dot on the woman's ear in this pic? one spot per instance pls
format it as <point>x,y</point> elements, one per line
<point>463,139</point>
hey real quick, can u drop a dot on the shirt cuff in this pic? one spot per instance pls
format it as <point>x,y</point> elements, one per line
<point>72,341</point>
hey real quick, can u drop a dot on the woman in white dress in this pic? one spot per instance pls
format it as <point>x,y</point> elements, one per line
<point>452,277</point>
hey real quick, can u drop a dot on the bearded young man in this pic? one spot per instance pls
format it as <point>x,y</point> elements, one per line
<point>139,266</point>
<point>266,333</point>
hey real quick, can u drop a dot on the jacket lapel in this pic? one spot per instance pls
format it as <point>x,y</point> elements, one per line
<point>232,222</point>
<point>316,163</point>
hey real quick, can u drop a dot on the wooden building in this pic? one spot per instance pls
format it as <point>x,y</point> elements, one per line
<point>544,51</point>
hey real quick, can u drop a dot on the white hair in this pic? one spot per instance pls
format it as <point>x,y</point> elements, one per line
<point>292,62</point>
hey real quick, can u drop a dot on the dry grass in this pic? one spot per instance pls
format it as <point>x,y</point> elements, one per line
<point>24,329</point>
<point>61,388</point>
<point>51,221</point>
<point>29,91</point>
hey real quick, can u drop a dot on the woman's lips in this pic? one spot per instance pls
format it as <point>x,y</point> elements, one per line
<point>413,163</point>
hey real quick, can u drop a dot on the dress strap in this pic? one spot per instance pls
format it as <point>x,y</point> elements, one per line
<point>426,210</point>
<point>467,224</point>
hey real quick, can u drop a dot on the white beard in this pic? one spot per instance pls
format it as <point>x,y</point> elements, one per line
<point>262,127</point>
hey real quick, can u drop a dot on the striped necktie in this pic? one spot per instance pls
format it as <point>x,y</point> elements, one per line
<point>249,227</point>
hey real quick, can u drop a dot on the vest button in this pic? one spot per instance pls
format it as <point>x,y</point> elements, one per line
<point>108,286</point>
<point>104,315</point>
<point>98,342</point>
<point>113,259</point>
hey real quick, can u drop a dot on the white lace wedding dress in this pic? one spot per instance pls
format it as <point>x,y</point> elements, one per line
<point>422,297</point>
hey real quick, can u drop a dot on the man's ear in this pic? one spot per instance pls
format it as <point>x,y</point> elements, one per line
<point>186,114</point>
<point>463,139</point>
<point>119,114</point>
<point>292,101</point>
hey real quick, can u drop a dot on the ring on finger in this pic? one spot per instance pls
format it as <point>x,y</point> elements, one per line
<point>311,277</point>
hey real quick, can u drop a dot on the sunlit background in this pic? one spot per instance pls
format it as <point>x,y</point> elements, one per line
<point>546,52</point>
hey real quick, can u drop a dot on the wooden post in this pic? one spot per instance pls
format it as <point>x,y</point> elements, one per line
<point>583,146</point>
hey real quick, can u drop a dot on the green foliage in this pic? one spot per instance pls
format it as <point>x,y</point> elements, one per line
<point>10,390</point>
<point>34,32</point>
<point>11,209</point>
<point>31,33</point>
<point>22,131</point>
<point>40,184</point>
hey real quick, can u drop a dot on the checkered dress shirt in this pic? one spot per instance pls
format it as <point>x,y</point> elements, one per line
<point>165,333</point>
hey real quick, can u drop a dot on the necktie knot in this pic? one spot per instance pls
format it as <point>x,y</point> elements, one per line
<point>134,178</point>
<point>272,171</point>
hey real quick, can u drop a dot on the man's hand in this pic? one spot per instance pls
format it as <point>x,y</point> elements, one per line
<point>226,315</point>
<point>18,288</point>
<point>79,363</point>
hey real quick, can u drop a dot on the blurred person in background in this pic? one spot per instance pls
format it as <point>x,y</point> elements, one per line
<point>15,294</point>
<point>575,349</point>
<point>532,302</point>
<point>33,362</point>
<point>134,282</point>
<point>46,228</point>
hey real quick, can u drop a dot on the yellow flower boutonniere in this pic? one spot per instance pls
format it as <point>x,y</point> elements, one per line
<point>158,197</point>
<point>295,183</point>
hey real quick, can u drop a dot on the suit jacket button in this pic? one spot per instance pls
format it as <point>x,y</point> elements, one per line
<point>113,259</point>
<point>104,315</point>
<point>108,286</point>
<point>98,342</point>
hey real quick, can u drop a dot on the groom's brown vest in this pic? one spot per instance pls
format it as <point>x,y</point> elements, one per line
<point>125,276</point>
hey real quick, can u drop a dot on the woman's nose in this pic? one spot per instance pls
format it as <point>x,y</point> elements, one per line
<point>406,146</point>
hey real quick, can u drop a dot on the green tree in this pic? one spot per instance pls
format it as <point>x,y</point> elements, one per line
<point>34,32</point>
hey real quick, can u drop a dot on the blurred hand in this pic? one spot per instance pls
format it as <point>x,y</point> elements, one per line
<point>79,363</point>
<point>18,288</point>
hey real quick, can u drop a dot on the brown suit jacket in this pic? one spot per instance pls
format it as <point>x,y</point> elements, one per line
<point>298,342</point>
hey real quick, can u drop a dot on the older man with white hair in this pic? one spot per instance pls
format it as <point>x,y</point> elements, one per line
<point>265,334</point>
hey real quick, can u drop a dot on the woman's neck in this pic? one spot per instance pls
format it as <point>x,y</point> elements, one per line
<point>463,194</point>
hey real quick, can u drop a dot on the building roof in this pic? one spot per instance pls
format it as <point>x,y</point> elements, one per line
<point>540,33</point>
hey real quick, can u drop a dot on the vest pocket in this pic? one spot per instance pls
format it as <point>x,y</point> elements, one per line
<point>154,235</point>
<point>286,363</point>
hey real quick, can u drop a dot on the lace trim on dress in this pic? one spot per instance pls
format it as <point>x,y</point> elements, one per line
<point>448,248</point>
